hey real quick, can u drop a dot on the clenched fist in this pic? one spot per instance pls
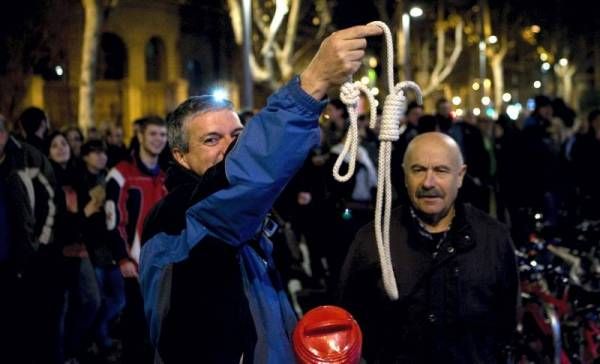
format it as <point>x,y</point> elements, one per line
<point>338,58</point>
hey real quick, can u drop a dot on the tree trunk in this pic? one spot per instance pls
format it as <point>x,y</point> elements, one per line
<point>565,81</point>
<point>274,63</point>
<point>89,52</point>
<point>444,65</point>
<point>497,66</point>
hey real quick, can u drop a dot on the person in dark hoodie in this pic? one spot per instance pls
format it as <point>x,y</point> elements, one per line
<point>35,125</point>
<point>211,291</point>
<point>28,259</point>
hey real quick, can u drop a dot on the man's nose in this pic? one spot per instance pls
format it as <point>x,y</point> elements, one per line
<point>429,181</point>
<point>226,143</point>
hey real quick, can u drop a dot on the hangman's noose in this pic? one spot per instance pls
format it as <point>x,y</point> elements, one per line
<point>394,107</point>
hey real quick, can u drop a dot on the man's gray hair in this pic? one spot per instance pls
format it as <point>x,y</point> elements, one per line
<point>195,105</point>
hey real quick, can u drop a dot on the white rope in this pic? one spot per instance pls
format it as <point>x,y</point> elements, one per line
<point>394,107</point>
<point>349,95</point>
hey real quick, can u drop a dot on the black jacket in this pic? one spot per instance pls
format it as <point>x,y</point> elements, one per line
<point>209,318</point>
<point>31,187</point>
<point>457,307</point>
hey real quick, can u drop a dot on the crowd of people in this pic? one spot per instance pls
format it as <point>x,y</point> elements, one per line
<point>86,281</point>
<point>72,214</point>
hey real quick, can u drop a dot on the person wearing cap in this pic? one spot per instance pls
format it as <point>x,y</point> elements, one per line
<point>211,291</point>
<point>453,266</point>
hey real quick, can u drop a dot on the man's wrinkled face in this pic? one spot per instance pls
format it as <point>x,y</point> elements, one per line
<point>209,135</point>
<point>153,139</point>
<point>433,174</point>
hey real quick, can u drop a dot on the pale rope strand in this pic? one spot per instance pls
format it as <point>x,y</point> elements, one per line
<point>389,53</point>
<point>393,109</point>
<point>349,95</point>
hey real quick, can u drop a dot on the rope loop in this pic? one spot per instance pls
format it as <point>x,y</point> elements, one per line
<point>394,108</point>
<point>349,94</point>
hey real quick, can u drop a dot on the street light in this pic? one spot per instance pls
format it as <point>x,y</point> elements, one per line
<point>545,66</point>
<point>414,12</point>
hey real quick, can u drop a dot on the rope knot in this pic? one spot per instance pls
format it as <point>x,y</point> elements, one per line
<point>393,108</point>
<point>349,94</point>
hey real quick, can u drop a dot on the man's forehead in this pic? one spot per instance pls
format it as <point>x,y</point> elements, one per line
<point>432,155</point>
<point>218,117</point>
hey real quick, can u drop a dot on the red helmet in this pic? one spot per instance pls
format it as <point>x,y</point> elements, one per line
<point>327,335</point>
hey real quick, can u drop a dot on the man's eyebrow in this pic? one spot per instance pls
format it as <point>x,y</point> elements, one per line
<point>211,133</point>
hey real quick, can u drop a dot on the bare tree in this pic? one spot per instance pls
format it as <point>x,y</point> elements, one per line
<point>275,34</point>
<point>444,62</point>
<point>89,56</point>
<point>565,72</point>
<point>95,14</point>
<point>430,78</point>
<point>496,52</point>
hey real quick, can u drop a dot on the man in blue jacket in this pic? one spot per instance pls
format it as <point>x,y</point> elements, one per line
<point>211,292</point>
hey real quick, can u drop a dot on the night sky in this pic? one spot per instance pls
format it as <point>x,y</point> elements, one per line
<point>575,17</point>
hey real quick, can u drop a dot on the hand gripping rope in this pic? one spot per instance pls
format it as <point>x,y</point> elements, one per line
<point>394,107</point>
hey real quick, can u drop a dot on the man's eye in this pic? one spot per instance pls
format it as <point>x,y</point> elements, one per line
<point>211,141</point>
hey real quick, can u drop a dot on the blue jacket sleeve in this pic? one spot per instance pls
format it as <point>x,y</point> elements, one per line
<point>270,151</point>
<point>272,147</point>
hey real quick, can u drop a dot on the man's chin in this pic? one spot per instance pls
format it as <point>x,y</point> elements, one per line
<point>431,207</point>
<point>431,214</point>
<point>156,151</point>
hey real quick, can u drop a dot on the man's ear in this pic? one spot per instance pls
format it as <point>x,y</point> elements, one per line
<point>179,156</point>
<point>461,174</point>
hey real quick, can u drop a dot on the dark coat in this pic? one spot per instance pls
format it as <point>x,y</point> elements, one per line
<point>31,202</point>
<point>457,307</point>
<point>190,311</point>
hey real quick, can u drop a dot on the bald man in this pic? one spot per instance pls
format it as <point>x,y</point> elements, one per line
<point>454,265</point>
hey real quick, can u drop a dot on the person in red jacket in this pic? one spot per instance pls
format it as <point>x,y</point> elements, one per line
<point>132,188</point>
